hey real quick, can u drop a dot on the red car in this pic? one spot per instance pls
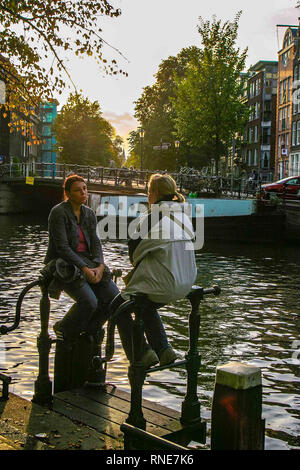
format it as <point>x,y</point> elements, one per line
<point>288,188</point>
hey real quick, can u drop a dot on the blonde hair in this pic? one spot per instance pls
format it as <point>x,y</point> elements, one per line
<point>165,187</point>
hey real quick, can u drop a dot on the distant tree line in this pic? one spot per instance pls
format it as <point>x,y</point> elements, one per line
<point>196,99</point>
<point>85,137</point>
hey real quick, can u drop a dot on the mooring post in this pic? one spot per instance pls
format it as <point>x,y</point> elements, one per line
<point>137,371</point>
<point>236,422</point>
<point>190,409</point>
<point>43,384</point>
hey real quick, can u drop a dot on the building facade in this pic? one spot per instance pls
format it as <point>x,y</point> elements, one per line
<point>294,156</point>
<point>258,149</point>
<point>286,147</point>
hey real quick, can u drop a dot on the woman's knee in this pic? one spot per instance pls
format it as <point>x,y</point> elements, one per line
<point>89,304</point>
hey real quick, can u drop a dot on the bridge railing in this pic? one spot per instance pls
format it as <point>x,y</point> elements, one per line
<point>202,185</point>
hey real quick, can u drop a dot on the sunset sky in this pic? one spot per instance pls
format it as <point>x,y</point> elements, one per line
<point>149,31</point>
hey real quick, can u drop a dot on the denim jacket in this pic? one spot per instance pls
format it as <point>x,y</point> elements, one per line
<point>64,238</point>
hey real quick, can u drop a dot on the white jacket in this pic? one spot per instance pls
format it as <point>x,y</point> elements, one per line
<point>165,267</point>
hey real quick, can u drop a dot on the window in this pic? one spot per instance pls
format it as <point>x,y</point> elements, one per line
<point>287,40</point>
<point>293,181</point>
<point>283,122</point>
<point>256,110</point>
<point>265,159</point>
<point>294,133</point>
<point>296,72</point>
<point>256,134</point>
<point>284,90</point>
<point>279,146</point>
<point>255,157</point>
<point>258,86</point>
<point>249,157</point>
<point>298,133</point>
<point>285,58</point>
<point>280,120</point>
<point>250,135</point>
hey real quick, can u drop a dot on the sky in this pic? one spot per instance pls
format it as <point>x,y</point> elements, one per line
<point>149,31</point>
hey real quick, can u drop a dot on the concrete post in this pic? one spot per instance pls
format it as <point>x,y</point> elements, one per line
<point>236,410</point>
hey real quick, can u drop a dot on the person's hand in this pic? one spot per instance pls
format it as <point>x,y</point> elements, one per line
<point>90,275</point>
<point>98,272</point>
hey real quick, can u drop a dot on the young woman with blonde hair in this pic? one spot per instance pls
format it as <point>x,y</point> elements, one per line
<point>163,259</point>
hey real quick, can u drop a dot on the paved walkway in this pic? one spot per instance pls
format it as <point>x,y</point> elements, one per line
<point>27,426</point>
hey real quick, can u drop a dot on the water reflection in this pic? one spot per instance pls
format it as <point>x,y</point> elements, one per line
<point>256,320</point>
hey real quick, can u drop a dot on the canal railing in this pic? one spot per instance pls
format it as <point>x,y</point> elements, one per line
<point>237,398</point>
<point>190,183</point>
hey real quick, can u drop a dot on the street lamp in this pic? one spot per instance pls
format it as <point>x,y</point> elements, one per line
<point>60,149</point>
<point>176,143</point>
<point>142,133</point>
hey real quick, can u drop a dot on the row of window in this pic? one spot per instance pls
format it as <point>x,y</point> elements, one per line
<point>252,134</point>
<point>252,158</point>
<point>296,133</point>
<point>254,88</point>
<point>284,90</point>
<point>284,118</point>
<point>254,112</point>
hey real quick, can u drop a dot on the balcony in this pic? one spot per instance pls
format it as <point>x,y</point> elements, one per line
<point>265,140</point>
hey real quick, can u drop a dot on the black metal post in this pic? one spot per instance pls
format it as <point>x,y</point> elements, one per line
<point>43,384</point>
<point>97,369</point>
<point>190,409</point>
<point>137,371</point>
<point>6,380</point>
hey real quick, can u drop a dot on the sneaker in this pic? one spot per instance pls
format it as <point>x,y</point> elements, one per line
<point>168,356</point>
<point>149,358</point>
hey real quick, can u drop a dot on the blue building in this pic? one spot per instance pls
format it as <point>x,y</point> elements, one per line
<point>48,115</point>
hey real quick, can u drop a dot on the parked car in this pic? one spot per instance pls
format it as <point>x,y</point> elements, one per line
<point>287,188</point>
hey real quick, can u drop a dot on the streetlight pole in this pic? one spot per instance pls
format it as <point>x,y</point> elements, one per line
<point>142,133</point>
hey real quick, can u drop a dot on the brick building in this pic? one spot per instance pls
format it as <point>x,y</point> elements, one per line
<point>285,110</point>
<point>258,149</point>
<point>294,156</point>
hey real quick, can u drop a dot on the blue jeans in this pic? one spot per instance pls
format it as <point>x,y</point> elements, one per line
<point>94,303</point>
<point>91,309</point>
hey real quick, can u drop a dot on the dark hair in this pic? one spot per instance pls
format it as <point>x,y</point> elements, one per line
<point>68,183</point>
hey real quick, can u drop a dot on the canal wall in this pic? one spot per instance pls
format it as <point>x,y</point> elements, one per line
<point>18,197</point>
<point>233,220</point>
<point>292,214</point>
<point>11,201</point>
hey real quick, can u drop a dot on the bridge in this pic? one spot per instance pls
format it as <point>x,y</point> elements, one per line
<point>24,186</point>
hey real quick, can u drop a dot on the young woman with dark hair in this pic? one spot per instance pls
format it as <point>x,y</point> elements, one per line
<point>73,237</point>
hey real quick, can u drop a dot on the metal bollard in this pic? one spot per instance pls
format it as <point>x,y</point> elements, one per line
<point>43,384</point>
<point>6,380</point>
<point>137,371</point>
<point>190,408</point>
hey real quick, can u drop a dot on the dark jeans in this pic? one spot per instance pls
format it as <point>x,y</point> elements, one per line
<point>92,306</point>
<point>94,303</point>
<point>154,328</point>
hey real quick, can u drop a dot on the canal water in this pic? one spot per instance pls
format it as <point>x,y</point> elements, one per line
<point>256,320</point>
